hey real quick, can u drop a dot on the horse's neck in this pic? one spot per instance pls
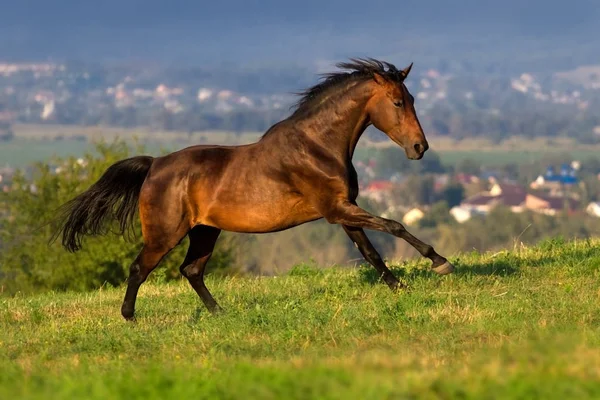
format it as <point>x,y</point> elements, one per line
<point>339,126</point>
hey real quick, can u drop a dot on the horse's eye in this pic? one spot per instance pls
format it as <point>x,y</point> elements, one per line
<point>399,103</point>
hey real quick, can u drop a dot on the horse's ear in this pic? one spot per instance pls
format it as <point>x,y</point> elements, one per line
<point>379,78</point>
<point>406,70</point>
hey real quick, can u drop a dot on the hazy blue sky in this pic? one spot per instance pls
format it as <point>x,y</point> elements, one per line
<point>237,30</point>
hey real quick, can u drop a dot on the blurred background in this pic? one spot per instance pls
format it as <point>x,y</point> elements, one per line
<point>508,94</point>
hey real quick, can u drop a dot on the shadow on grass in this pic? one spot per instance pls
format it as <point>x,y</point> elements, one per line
<point>502,264</point>
<point>501,267</point>
<point>195,315</point>
<point>504,268</point>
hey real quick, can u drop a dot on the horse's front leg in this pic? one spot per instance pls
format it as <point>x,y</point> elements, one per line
<point>366,248</point>
<point>349,214</point>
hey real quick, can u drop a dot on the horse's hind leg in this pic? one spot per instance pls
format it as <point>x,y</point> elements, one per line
<point>163,228</point>
<point>202,243</point>
<point>139,270</point>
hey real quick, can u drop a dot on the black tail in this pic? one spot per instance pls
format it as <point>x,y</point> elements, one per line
<point>114,196</point>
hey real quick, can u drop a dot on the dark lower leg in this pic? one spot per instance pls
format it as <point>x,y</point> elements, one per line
<point>423,248</point>
<point>197,283</point>
<point>349,214</point>
<point>145,262</point>
<point>202,243</point>
<point>133,285</point>
<point>370,254</point>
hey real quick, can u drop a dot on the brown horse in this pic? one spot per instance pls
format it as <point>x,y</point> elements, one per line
<point>299,171</point>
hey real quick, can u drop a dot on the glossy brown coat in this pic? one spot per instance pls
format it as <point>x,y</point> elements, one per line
<point>299,171</point>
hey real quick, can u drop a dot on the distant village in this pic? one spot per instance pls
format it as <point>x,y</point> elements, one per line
<point>550,194</point>
<point>199,99</point>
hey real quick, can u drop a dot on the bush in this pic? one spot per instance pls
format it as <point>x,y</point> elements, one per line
<point>28,263</point>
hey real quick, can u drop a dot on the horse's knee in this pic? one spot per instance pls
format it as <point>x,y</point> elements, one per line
<point>134,268</point>
<point>192,270</point>
<point>397,229</point>
<point>137,274</point>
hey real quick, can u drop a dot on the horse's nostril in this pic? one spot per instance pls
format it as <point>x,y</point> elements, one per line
<point>419,148</point>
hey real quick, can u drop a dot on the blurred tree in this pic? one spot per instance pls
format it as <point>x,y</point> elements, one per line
<point>452,194</point>
<point>28,263</point>
<point>439,213</point>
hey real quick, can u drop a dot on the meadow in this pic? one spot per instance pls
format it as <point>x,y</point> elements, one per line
<point>35,143</point>
<point>517,324</point>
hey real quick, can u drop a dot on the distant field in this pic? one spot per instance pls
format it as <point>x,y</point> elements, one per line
<point>34,143</point>
<point>513,150</point>
<point>518,325</point>
<point>20,152</point>
<point>500,157</point>
<point>37,142</point>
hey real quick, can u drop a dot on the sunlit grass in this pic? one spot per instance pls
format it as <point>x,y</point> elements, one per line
<point>522,324</point>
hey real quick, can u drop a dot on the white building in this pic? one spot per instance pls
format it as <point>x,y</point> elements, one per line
<point>593,209</point>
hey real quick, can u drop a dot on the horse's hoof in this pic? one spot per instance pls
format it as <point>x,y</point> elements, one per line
<point>397,286</point>
<point>216,310</point>
<point>444,269</point>
<point>128,315</point>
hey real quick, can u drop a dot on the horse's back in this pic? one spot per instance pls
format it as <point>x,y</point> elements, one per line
<point>235,188</point>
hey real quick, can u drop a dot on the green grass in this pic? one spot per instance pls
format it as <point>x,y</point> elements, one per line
<point>523,324</point>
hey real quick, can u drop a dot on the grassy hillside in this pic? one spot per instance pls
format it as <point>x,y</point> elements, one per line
<point>522,324</point>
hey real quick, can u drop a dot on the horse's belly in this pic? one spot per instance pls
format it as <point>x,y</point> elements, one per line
<point>249,217</point>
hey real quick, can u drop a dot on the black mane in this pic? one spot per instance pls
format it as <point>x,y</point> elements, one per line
<point>355,68</point>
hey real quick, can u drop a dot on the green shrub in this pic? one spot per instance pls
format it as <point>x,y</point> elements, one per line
<point>28,263</point>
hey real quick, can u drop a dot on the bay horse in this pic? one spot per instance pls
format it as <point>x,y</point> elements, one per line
<point>299,171</point>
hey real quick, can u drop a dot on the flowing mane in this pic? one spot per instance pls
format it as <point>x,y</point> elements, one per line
<point>352,70</point>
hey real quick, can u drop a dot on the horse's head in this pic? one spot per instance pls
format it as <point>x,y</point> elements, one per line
<point>391,110</point>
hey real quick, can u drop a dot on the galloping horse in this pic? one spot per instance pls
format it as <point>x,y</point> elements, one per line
<point>299,171</point>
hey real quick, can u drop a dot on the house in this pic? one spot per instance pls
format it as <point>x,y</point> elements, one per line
<point>505,194</point>
<point>542,183</point>
<point>465,179</point>
<point>377,190</point>
<point>555,182</point>
<point>480,202</point>
<point>593,209</point>
<point>507,189</point>
<point>463,214</point>
<point>440,181</point>
<point>549,205</point>
<point>413,216</point>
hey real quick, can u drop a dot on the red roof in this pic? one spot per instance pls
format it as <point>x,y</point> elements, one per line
<point>513,199</point>
<point>511,188</point>
<point>380,185</point>
<point>479,200</point>
<point>558,203</point>
<point>510,199</point>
